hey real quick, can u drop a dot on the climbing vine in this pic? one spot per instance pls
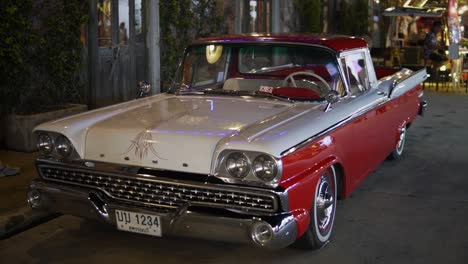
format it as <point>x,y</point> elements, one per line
<point>15,42</point>
<point>182,21</point>
<point>41,51</point>
<point>40,54</point>
<point>309,15</point>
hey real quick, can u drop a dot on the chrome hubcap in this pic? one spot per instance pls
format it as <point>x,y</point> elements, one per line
<point>325,204</point>
<point>401,141</point>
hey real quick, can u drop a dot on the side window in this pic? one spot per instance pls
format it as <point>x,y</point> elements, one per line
<point>354,68</point>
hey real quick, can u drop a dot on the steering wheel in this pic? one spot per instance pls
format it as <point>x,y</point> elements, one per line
<point>292,75</point>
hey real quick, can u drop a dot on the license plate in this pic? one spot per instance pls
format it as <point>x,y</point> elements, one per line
<point>138,223</point>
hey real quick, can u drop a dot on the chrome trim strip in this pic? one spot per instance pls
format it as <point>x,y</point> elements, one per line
<point>399,80</point>
<point>331,128</point>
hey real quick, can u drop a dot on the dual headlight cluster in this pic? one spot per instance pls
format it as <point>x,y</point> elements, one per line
<point>48,144</point>
<point>249,166</point>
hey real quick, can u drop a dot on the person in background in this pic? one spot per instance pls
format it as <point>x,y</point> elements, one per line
<point>413,33</point>
<point>123,34</point>
<point>432,45</point>
<point>403,27</point>
<point>8,171</point>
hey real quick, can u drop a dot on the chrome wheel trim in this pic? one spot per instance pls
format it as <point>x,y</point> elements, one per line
<point>325,205</point>
<point>401,141</point>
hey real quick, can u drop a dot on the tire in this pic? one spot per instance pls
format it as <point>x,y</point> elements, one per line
<point>322,213</point>
<point>397,152</point>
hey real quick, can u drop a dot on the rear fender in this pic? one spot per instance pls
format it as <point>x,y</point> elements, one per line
<point>405,80</point>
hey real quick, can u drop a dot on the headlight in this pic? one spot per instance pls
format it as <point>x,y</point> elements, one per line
<point>248,167</point>
<point>45,144</point>
<point>264,168</point>
<point>64,146</point>
<point>237,165</point>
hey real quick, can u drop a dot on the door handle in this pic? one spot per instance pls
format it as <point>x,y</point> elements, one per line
<point>382,93</point>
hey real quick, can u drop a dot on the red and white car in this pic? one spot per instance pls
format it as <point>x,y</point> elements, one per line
<point>255,142</point>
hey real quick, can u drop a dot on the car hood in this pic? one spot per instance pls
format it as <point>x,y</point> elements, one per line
<point>175,133</point>
<point>170,132</point>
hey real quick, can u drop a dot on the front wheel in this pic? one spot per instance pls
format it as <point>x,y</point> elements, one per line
<point>322,213</point>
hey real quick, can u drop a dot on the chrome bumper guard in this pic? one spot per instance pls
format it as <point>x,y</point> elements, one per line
<point>233,227</point>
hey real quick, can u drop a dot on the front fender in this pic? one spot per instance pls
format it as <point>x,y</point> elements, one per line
<point>301,171</point>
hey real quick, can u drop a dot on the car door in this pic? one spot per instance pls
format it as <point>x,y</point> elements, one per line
<point>369,111</point>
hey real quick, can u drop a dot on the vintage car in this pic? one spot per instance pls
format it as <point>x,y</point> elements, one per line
<point>255,141</point>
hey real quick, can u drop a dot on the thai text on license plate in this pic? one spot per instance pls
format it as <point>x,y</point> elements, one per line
<point>138,222</point>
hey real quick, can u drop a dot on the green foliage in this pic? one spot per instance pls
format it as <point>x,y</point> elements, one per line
<point>15,40</point>
<point>180,25</point>
<point>361,18</point>
<point>354,18</point>
<point>309,12</point>
<point>41,56</point>
<point>346,18</point>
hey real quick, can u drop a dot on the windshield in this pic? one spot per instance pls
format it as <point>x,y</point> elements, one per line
<point>257,67</point>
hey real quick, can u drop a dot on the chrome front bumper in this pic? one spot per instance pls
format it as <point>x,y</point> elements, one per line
<point>232,227</point>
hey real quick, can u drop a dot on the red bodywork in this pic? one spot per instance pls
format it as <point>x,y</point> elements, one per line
<point>335,42</point>
<point>356,148</point>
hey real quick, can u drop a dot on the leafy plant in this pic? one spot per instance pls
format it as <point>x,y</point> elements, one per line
<point>180,25</point>
<point>15,41</point>
<point>345,18</point>
<point>42,45</point>
<point>361,18</point>
<point>310,15</point>
<point>353,18</point>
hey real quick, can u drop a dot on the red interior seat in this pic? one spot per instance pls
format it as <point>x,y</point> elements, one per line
<point>296,93</point>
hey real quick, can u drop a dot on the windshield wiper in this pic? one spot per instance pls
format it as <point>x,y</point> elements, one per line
<point>274,68</point>
<point>270,95</point>
<point>236,93</point>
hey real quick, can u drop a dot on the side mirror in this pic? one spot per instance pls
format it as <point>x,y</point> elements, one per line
<point>144,89</point>
<point>331,97</point>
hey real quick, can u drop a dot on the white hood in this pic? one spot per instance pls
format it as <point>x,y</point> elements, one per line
<point>175,133</point>
<point>172,132</point>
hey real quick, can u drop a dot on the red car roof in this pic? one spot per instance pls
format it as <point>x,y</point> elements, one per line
<point>335,42</point>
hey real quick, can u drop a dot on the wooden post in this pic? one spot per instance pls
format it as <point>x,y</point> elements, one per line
<point>275,16</point>
<point>92,54</point>
<point>239,17</point>
<point>152,38</point>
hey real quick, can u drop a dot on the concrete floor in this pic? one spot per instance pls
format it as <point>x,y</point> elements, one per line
<point>411,211</point>
<point>13,188</point>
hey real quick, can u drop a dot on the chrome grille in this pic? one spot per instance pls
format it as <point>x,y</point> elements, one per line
<point>162,193</point>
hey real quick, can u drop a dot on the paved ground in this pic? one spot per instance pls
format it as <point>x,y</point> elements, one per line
<point>411,211</point>
<point>14,187</point>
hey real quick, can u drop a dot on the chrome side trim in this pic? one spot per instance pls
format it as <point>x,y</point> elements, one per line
<point>396,79</point>
<point>331,128</point>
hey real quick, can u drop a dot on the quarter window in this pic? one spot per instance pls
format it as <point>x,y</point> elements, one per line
<point>354,69</point>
